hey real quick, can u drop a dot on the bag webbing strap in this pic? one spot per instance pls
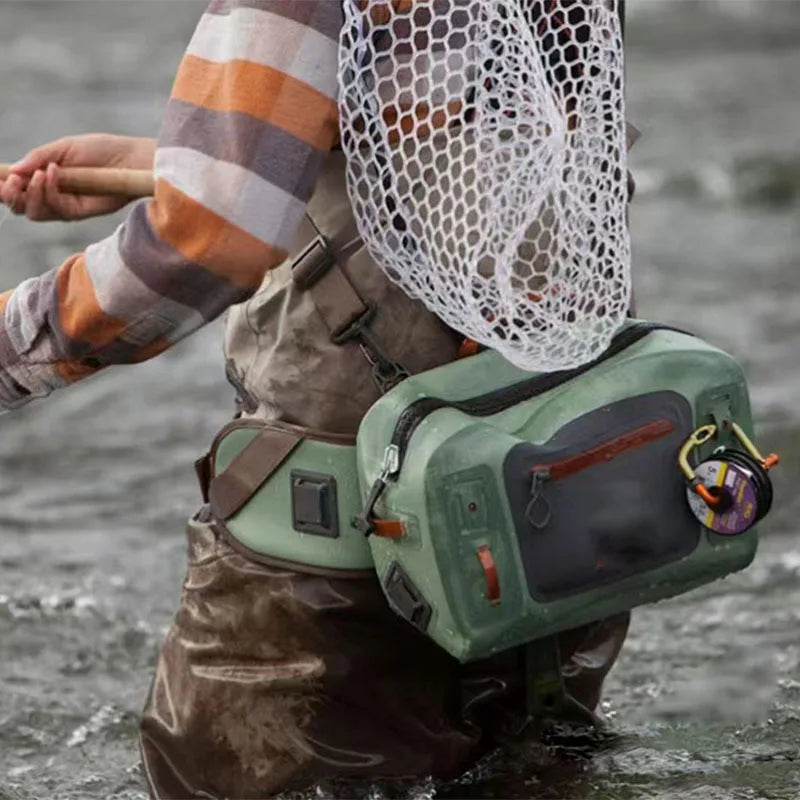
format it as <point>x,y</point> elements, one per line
<point>547,696</point>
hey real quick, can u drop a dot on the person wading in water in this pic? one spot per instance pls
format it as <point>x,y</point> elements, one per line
<point>273,676</point>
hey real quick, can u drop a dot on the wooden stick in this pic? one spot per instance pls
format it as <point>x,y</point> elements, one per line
<point>100,181</point>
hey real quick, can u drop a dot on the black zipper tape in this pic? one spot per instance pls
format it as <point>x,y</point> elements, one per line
<point>494,402</point>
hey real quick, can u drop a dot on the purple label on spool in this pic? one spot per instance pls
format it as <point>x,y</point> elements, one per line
<point>738,484</point>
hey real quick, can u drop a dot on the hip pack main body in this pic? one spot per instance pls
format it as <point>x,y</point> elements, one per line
<point>514,506</point>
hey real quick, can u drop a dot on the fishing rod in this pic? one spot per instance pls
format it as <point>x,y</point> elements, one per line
<point>132,183</point>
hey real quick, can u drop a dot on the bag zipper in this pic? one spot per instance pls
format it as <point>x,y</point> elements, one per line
<point>484,405</point>
<point>607,451</point>
<point>501,399</point>
<point>601,453</point>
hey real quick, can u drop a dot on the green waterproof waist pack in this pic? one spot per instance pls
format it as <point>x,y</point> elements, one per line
<point>516,506</point>
<point>499,507</point>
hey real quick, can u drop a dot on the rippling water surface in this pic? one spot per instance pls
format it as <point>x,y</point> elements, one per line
<point>95,482</point>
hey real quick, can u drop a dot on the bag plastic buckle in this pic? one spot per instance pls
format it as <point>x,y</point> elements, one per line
<point>385,373</point>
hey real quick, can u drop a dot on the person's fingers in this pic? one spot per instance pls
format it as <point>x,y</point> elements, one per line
<point>58,204</point>
<point>35,203</point>
<point>12,194</point>
<point>7,192</point>
<point>40,157</point>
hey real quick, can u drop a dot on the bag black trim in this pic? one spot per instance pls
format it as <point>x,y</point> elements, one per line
<point>485,405</point>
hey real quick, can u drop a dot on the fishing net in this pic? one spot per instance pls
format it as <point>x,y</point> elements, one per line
<point>485,142</point>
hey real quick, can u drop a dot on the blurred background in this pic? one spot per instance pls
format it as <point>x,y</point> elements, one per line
<point>97,481</point>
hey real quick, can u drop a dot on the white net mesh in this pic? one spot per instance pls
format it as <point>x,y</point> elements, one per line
<point>485,142</point>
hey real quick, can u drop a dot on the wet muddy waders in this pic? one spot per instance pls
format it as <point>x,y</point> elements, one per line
<point>508,532</point>
<point>285,664</point>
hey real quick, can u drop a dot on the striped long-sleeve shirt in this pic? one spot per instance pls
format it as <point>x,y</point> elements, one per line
<point>249,121</point>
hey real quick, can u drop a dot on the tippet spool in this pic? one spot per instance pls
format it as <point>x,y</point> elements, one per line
<point>732,490</point>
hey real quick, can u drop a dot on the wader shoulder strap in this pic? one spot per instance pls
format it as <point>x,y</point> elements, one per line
<point>315,270</point>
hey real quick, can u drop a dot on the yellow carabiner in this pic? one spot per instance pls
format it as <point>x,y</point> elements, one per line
<point>768,463</point>
<point>700,436</point>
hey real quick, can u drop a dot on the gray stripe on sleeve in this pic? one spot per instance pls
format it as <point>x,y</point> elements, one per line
<point>165,271</point>
<point>235,137</point>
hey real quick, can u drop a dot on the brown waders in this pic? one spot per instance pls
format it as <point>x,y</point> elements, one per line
<point>273,676</point>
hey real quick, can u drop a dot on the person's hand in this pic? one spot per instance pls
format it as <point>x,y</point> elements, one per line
<point>32,188</point>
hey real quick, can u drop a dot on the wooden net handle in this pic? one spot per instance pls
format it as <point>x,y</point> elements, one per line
<point>100,181</point>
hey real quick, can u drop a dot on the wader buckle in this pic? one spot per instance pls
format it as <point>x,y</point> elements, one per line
<point>312,263</point>
<point>385,372</point>
<point>245,400</point>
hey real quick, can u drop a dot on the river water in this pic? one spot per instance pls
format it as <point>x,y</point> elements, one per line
<point>95,482</point>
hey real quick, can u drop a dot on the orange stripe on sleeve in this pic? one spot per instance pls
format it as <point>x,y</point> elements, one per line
<point>4,297</point>
<point>73,371</point>
<point>205,238</point>
<point>79,314</point>
<point>153,349</point>
<point>262,92</point>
